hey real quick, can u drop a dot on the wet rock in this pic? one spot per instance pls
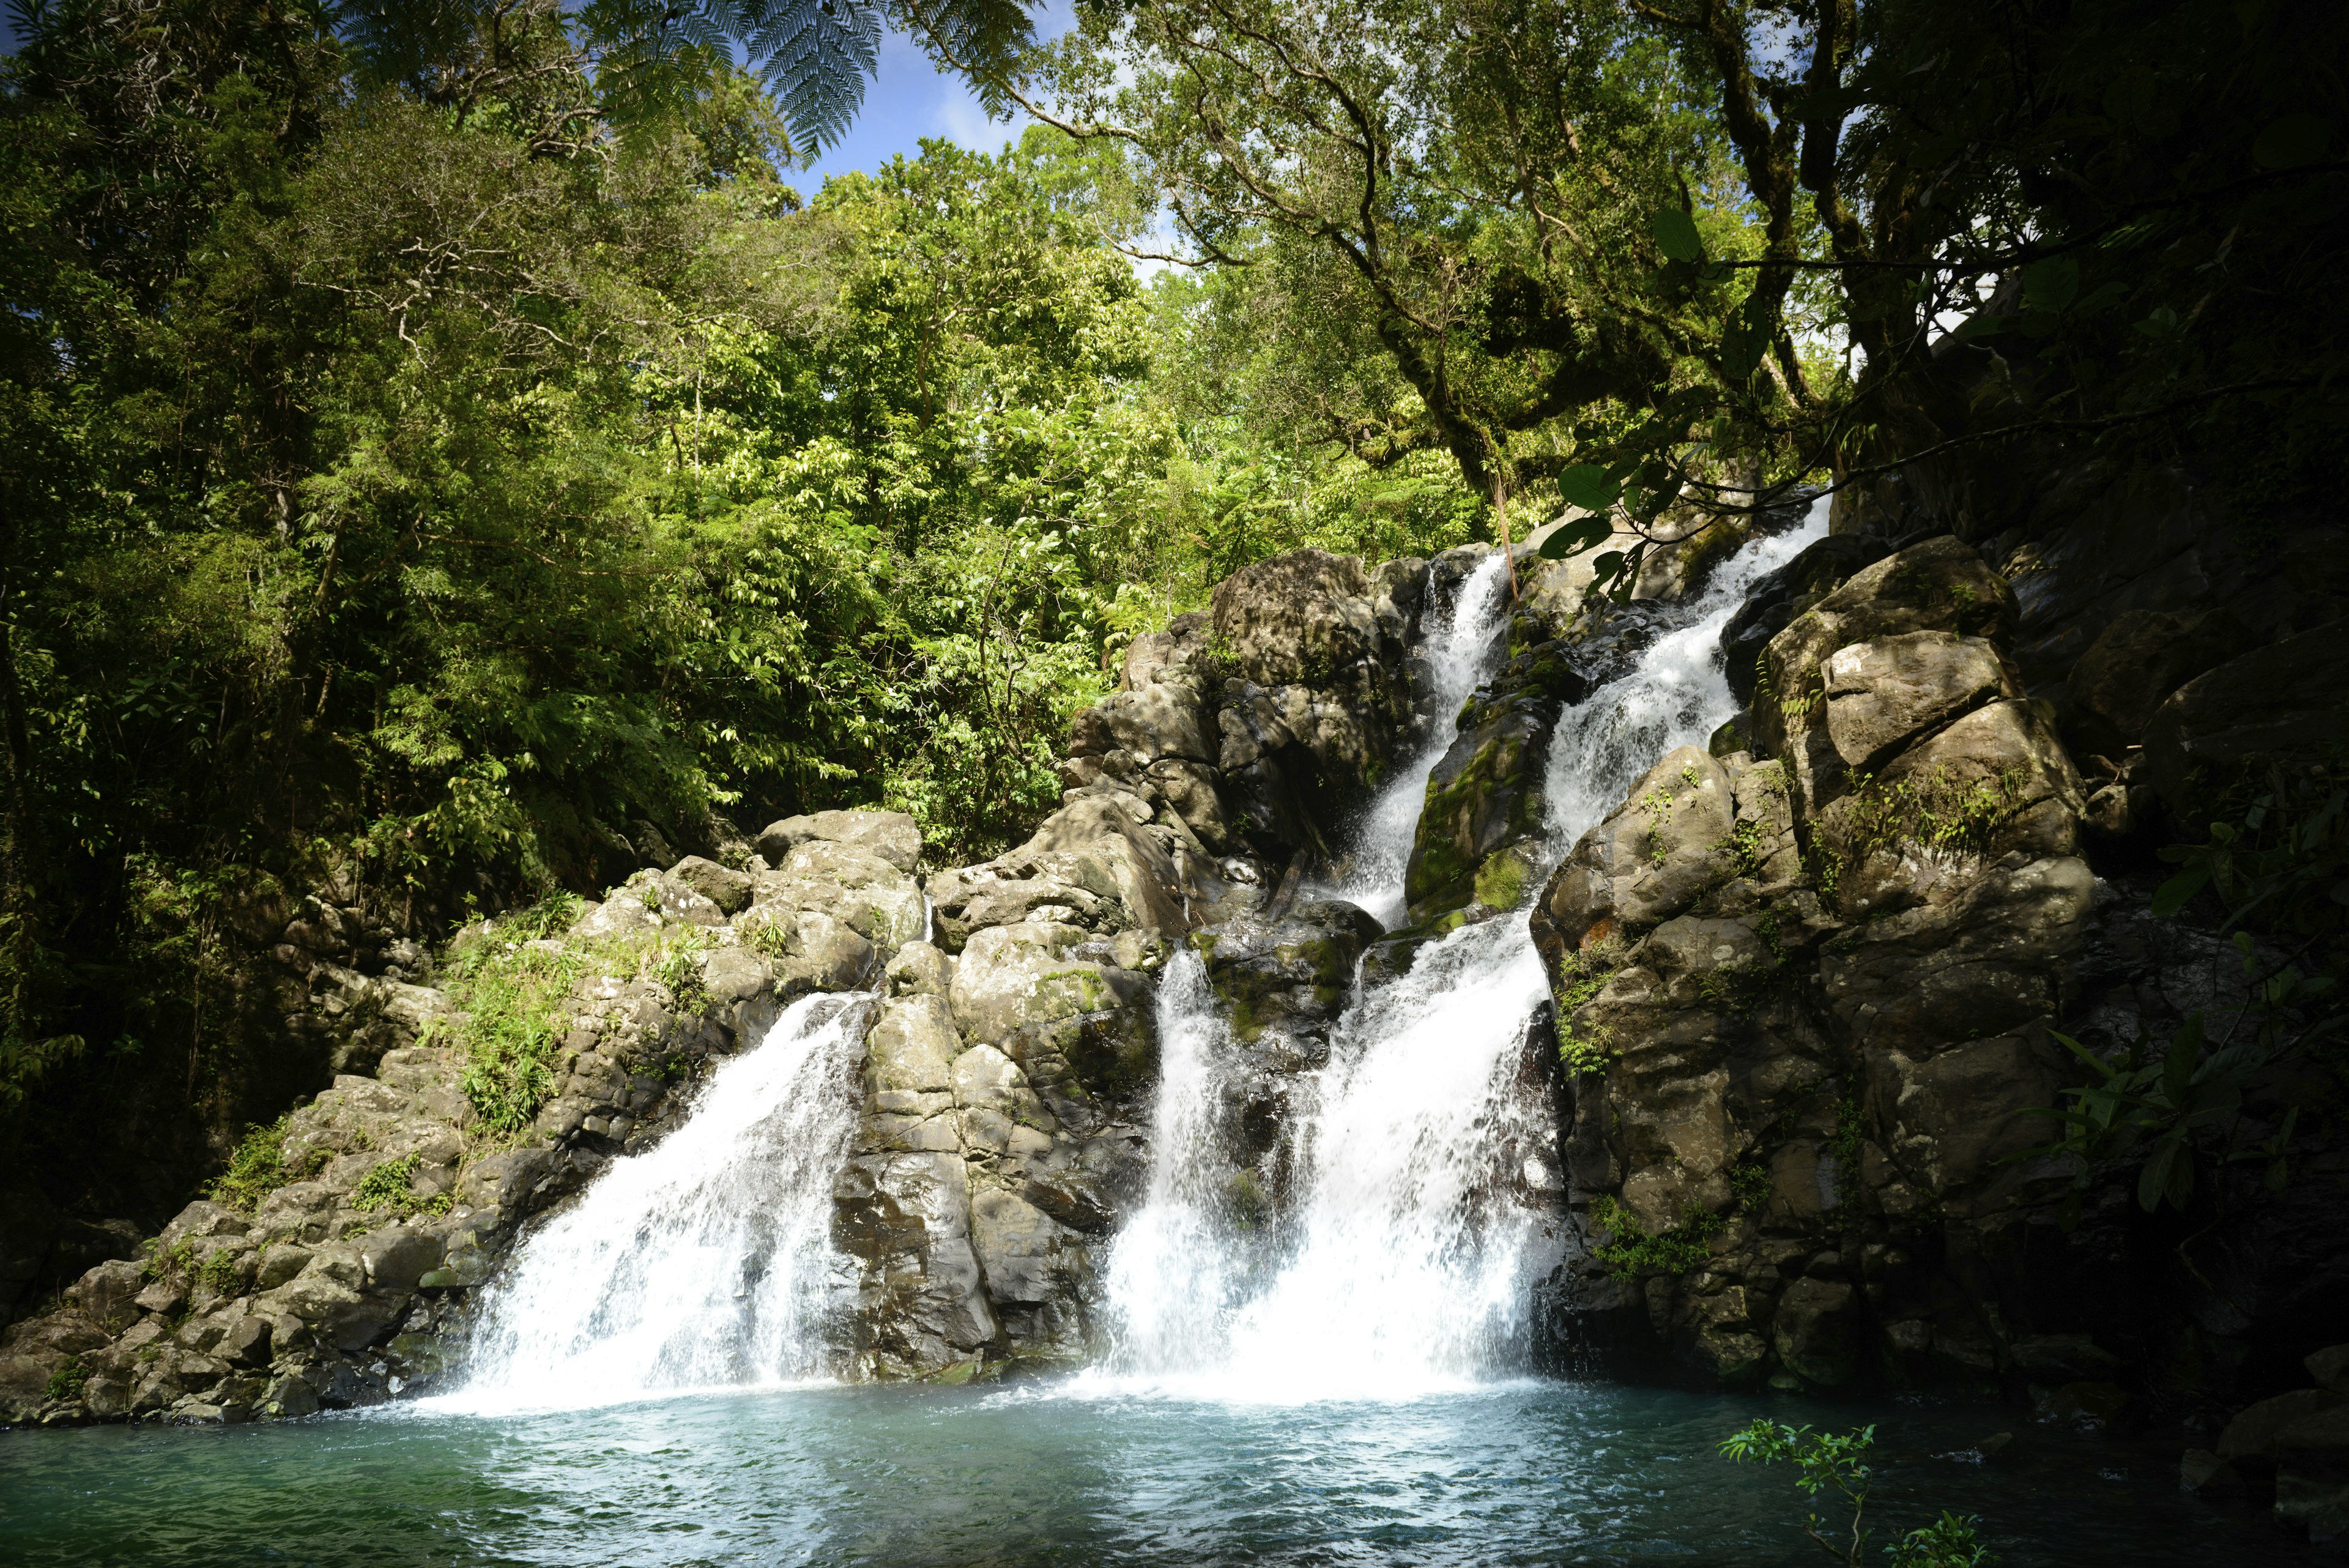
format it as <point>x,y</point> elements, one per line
<point>919,968</point>
<point>1811,1334</point>
<point>2203,1474</point>
<point>2135,664</point>
<point>921,1304</point>
<point>2311,1475</point>
<point>1779,597</point>
<point>1883,692</point>
<point>1942,585</point>
<point>1291,976</point>
<point>1652,859</point>
<point>2249,1441</point>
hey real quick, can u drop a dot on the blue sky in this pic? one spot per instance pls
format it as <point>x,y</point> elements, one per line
<point>909,100</point>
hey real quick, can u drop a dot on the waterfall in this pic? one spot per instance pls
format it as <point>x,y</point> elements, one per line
<point>1459,654</point>
<point>1400,1271</point>
<point>703,1262</point>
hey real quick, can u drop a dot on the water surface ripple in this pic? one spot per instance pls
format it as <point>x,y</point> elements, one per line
<point>1522,1473</point>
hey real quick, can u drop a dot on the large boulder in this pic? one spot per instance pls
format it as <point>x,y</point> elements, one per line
<point>891,835</point>
<point>1667,845</point>
<point>2133,665</point>
<point>1942,585</point>
<point>1302,619</point>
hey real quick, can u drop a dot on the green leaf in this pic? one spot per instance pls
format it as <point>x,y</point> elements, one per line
<point>2169,1173</point>
<point>1573,538</point>
<point>2292,143</point>
<point>1586,485</point>
<point>2161,323</point>
<point>2050,284</point>
<point>1740,350</point>
<point>1606,565</point>
<point>2173,894</point>
<point>1676,234</point>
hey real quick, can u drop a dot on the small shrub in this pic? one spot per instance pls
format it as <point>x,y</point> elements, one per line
<point>68,1381</point>
<point>218,1272</point>
<point>1630,1251</point>
<point>517,1008</point>
<point>1749,1185</point>
<point>384,1189</point>
<point>1582,977</point>
<point>1838,1462</point>
<point>255,1169</point>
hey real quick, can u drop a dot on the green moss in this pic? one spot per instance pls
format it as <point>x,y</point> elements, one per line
<point>1504,879</point>
<point>1244,1199</point>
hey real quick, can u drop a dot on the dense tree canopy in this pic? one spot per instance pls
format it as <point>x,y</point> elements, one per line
<point>436,442</point>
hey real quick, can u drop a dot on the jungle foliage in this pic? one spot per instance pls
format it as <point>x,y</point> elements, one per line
<point>438,447</point>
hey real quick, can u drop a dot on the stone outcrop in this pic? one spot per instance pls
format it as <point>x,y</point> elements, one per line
<point>1810,995</point>
<point>1257,722</point>
<point>996,1148</point>
<point>1008,1066</point>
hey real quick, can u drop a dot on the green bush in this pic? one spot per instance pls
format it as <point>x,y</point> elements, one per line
<point>386,1190</point>
<point>255,1169</point>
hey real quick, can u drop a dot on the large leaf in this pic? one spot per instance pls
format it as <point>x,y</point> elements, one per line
<point>1676,234</point>
<point>1573,538</point>
<point>2172,894</point>
<point>2292,143</point>
<point>2169,1173</point>
<point>1742,347</point>
<point>1586,485</point>
<point>2051,283</point>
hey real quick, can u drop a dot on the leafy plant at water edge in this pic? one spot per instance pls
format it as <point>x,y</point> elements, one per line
<point>68,1380</point>
<point>1630,1251</point>
<point>1837,1463</point>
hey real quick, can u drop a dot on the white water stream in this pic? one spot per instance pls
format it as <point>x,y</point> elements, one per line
<point>1403,1271</point>
<point>705,1261</point>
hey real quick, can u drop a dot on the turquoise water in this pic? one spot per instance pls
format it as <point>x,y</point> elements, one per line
<point>1524,1473</point>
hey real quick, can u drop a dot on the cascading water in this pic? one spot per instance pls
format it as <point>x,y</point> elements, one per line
<point>1459,655</point>
<point>1402,1271</point>
<point>703,1262</point>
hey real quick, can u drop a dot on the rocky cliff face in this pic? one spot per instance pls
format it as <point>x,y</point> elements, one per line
<point>1007,1070</point>
<point>1812,984</point>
